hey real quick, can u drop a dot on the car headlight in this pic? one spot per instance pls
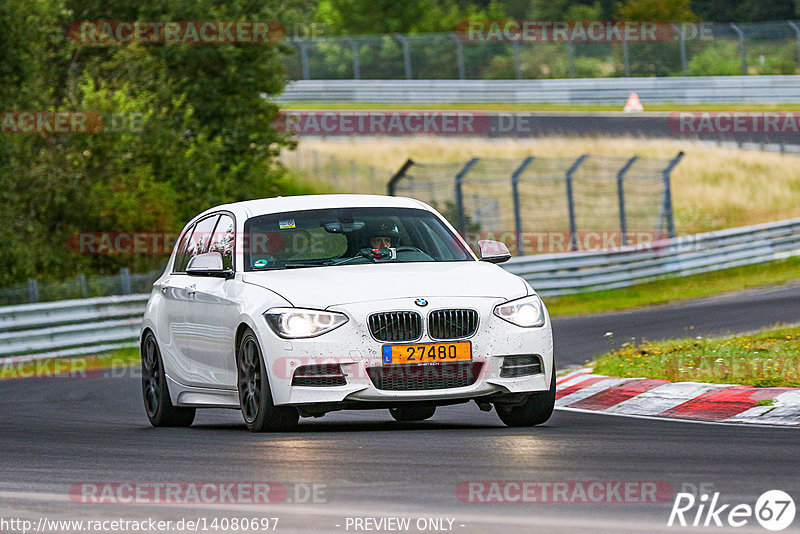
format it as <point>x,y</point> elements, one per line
<point>294,323</point>
<point>527,312</point>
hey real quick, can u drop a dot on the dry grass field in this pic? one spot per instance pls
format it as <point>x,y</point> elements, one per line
<point>713,187</point>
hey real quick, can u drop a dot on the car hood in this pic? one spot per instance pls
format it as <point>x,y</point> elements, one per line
<point>320,287</point>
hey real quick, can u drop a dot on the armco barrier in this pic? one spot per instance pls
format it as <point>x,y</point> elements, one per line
<point>678,89</point>
<point>87,326</point>
<point>70,327</point>
<point>563,273</point>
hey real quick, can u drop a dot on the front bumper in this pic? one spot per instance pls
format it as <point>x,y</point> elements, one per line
<point>353,348</point>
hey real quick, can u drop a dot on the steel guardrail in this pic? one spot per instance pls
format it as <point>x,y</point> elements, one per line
<point>90,326</point>
<point>676,89</point>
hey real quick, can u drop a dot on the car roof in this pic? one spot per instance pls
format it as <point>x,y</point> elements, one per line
<point>262,206</point>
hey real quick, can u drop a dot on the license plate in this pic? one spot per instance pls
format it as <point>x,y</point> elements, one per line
<point>460,351</point>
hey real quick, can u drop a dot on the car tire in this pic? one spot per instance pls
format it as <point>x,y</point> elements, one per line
<point>536,409</point>
<point>255,396</point>
<point>405,414</point>
<point>157,403</point>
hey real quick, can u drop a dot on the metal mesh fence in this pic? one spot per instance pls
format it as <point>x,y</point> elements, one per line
<point>548,204</point>
<point>336,174</point>
<point>81,286</point>
<point>697,49</point>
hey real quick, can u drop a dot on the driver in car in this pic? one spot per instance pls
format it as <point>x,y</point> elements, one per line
<point>386,235</point>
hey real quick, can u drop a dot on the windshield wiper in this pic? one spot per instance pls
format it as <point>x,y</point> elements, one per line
<point>358,257</point>
<point>289,266</point>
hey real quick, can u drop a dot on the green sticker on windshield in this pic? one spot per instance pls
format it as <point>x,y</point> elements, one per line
<point>260,263</point>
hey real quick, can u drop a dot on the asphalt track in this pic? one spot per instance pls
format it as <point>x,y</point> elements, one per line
<point>58,432</point>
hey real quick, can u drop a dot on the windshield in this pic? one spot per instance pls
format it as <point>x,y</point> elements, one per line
<point>348,236</point>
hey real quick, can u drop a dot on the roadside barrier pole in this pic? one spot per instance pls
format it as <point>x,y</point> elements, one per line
<point>462,218</point>
<point>623,223</point>
<point>392,185</point>
<point>667,210</point>
<point>573,230</point>
<point>517,208</point>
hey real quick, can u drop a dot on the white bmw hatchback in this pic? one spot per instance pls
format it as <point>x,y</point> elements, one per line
<point>298,306</point>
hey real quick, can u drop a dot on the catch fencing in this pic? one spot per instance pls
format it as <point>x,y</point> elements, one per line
<point>536,195</point>
<point>702,49</point>
<point>329,171</point>
<point>86,326</point>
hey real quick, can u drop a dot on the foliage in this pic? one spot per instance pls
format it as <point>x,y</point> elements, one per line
<point>671,10</point>
<point>201,134</point>
<point>721,58</point>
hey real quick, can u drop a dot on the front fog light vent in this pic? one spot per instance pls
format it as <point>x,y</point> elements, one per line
<point>521,365</point>
<point>319,375</point>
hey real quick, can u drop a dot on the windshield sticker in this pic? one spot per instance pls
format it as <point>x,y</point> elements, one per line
<point>286,224</point>
<point>260,263</point>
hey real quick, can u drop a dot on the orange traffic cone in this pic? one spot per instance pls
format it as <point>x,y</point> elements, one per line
<point>633,104</point>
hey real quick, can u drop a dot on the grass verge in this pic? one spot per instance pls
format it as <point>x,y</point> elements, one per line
<point>676,289</point>
<point>543,107</point>
<point>94,366</point>
<point>766,359</point>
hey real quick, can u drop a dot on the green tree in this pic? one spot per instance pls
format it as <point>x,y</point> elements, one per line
<point>203,134</point>
<point>669,10</point>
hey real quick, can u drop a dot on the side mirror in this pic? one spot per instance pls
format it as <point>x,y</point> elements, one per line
<point>208,264</point>
<point>493,251</point>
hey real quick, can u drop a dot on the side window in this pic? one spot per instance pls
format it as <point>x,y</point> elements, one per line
<point>223,239</point>
<point>199,240</point>
<point>181,258</point>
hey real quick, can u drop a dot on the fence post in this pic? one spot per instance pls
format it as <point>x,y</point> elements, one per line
<point>516,59</point>
<point>573,73</point>
<point>517,208</point>
<point>623,223</point>
<point>797,35</point>
<point>682,37</point>
<point>390,187</point>
<point>459,56</point>
<point>406,54</point>
<point>356,62</point>
<point>303,47</point>
<point>82,284</point>
<point>573,230</point>
<point>462,218</point>
<point>742,47</point>
<point>667,210</point>
<point>626,60</point>
<point>33,290</point>
<point>125,280</point>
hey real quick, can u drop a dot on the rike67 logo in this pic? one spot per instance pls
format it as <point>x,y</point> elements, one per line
<point>774,510</point>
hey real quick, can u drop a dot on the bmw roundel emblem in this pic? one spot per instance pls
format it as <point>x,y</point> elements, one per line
<point>421,302</point>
